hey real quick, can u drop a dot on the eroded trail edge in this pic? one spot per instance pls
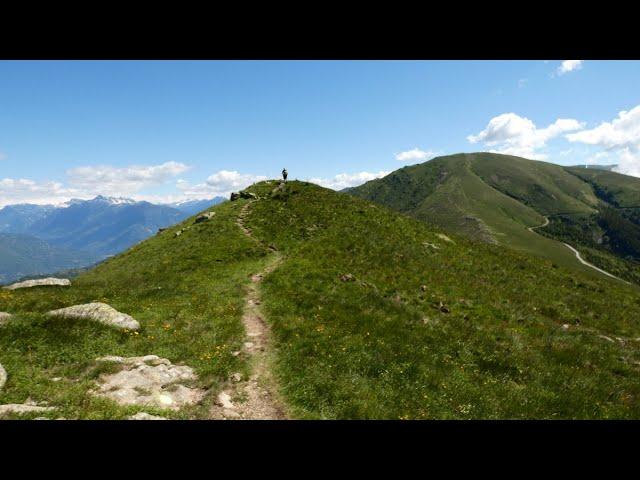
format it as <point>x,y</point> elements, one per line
<point>255,397</point>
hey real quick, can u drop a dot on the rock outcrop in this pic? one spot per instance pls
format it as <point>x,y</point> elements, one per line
<point>61,282</point>
<point>149,381</point>
<point>248,195</point>
<point>204,217</point>
<point>3,377</point>
<point>98,312</point>
<point>243,194</point>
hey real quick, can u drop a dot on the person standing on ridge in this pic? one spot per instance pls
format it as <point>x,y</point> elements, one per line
<point>284,174</point>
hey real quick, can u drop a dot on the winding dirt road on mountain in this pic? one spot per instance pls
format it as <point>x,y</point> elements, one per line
<point>580,259</point>
<point>254,398</point>
<point>546,222</point>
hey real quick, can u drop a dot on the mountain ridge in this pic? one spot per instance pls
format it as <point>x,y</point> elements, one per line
<point>497,198</point>
<point>83,231</point>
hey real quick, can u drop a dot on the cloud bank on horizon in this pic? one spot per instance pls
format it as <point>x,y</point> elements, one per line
<point>614,140</point>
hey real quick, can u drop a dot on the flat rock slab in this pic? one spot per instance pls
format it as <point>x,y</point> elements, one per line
<point>145,416</point>
<point>98,312</point>
<point>20,408</point>
<point>149,381</point>
<point>4,318</point>
<point>3,376</point>
<point>61,282</point>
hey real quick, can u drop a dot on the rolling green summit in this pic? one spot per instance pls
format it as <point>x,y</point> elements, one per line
<point>532,206</point>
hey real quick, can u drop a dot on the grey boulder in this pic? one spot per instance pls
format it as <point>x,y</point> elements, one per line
<point>98,312</point>
<point>204,217</point>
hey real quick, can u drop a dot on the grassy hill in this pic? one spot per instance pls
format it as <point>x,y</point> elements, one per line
<point>498,198</point>
<point>615,188</point>
<point>374,315</point>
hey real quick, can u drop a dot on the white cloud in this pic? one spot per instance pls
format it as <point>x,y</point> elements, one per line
<point>88,182</point>
<point>346,180</point>
<point>621,135</point>
<point>512,134</point>
<point>221,183</point>
<point>28,191</point>
<point>569,66</point>
<point>3,156</point>
<point>415,154</point>
<point>109,180</point>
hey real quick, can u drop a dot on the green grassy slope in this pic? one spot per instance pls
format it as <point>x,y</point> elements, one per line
<point>461,194</point>
<point>187,292</point>
<point>546,187</point>
<point>482,339</point>
<point>430,326</point>
<point>617,189</point>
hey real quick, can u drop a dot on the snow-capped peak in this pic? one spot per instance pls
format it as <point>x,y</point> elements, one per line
<point>114,200</point>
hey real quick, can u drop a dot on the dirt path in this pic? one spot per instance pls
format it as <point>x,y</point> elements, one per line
<point>584,262</point>
<point>580,259</point>
<point>253,398</point>
<point>546,222</point>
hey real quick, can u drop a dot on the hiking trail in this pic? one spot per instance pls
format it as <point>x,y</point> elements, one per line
<point>253,398</point>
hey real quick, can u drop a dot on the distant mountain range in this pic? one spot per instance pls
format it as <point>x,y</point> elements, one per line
<point>38,239</point>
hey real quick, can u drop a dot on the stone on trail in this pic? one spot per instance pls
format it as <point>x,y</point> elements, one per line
<point>98,312</point>
<point>61,282</point>
<point>224,400</point>
<point>4,318</point>
<point>204,217</point>
<point>347,278</point>
<point>149,381</point>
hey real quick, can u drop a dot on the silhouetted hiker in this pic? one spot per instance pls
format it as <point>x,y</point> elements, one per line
<point>284,174</point>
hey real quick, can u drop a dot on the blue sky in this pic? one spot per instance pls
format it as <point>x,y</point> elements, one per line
<point>167,131</point>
